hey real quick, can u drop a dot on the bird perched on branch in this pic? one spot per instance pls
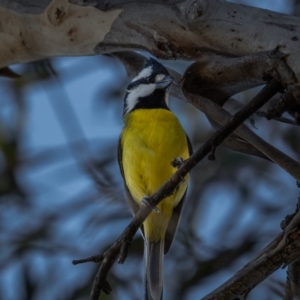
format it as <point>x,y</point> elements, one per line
<point>151,140</point>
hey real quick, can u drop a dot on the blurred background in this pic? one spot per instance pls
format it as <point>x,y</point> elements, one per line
<point>62,197</point>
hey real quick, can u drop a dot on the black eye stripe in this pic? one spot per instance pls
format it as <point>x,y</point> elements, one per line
<point>150,79</point>
<point>153,78</point>
<point>136,83</point>
<point>147,80</point>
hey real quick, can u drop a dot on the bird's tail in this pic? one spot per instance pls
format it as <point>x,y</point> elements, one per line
<point>154,253</point>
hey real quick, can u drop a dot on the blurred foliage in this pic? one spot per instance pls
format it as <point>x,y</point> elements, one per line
<point>61,194</point>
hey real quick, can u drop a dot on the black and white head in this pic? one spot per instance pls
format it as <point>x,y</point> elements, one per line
<point>149,89</point>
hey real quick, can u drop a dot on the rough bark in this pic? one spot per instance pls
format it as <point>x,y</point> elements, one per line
<point>31,30</point>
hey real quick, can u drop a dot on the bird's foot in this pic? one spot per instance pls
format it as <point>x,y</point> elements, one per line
<point>176,163</point>
<point>145,201</point>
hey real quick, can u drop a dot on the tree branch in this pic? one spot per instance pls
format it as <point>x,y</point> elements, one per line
<point>198,79</point>
<point>282,251</point>
<point>185,29</point>
<point>256,271</point>
<point>216,112</point>
<point>218,77</point>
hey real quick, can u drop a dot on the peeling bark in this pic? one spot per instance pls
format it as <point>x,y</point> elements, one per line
<point>168,29</point>
<point>62,29</point>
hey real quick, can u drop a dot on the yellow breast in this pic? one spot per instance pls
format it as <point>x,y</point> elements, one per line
<point>151,139</point>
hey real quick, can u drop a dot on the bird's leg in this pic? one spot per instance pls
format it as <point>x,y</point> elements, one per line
<point>177,162</point>
<point>145,201</point>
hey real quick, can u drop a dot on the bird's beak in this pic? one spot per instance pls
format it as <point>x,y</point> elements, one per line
<point>165,83</point>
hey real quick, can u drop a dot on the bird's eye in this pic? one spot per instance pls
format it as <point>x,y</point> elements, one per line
<point>155,78</point>
<point>150,79</point>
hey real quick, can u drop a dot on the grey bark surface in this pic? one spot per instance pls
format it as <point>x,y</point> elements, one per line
<point>167,29</point>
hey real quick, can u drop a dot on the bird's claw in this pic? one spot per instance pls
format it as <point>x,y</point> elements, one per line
<point>145,201</point>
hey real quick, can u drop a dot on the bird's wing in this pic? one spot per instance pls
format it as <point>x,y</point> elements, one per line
<point>172,226</point>
<point>132,204</point>
<point>173,223</point>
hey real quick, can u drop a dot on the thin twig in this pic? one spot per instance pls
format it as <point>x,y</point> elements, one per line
<point>286,103</point>
<point>222,116</point>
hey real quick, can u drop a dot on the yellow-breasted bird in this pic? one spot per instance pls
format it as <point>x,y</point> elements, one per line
<point>151,139</point>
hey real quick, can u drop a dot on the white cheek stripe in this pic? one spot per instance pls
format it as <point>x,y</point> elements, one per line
<point>140,91</point>
<point>143,74</point>
<point>160,77</point>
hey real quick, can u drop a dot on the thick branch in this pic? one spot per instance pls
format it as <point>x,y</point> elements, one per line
<point>168,29</point>
<point>62,29</point>
<point>219,77</point>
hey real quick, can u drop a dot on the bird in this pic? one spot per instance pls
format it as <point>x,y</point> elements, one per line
<point>152,139</point>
